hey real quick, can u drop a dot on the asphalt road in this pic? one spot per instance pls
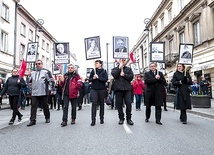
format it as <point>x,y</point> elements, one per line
<point>172,138</point>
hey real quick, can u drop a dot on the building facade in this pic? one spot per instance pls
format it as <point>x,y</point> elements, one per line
<point>181,21</point>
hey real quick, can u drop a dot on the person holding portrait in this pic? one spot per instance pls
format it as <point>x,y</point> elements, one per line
<point>182,80</point>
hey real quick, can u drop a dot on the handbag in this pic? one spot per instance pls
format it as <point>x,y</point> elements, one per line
<point>190,89</point>
<point>108,100</point>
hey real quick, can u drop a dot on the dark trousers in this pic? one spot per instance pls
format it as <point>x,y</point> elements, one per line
<point>59,100</point>
<point>14,102</point>
<point>138,99</point>
<point>87,98</point>
<point>183,115</point>
<point>52,101</point>
<point>164,103</point>
<point>124,96</point>
<point>34,105</point>
<point>97,97</point>
<point>157,112</point>
<point>66,101</point>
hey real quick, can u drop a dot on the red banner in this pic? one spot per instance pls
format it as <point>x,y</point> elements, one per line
<point>22,68</point>
<point>131,55</point>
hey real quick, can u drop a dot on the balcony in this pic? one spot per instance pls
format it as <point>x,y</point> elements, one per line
<point>171,59</point>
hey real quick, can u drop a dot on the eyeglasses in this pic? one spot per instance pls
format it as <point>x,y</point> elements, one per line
<point>70,67</point>
<point>38,63</point>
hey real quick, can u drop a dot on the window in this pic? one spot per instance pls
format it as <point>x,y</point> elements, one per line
<point>23,29</point>
<point>196,29</point>
<point>170,14</point>
<point>181,37</point>
<point>31,35</point>
<point>5,12</point>
<point>162,23</point>
<point>21,53</point>
<point>156,29</point>
<point>4,41</point>
<point>180,4</point>
<point>43,44</point>
<point>47,48</point>
<point>47,62</point>
<point>145,60</point>
<point>171,46</point>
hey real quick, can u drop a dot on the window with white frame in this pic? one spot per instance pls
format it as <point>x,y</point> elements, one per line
<point>156,29</point>
<point>196,29</point>
<point>30,35</point>
<point>4,41</point>
<point>181,37</point>
<point>23,29</point>
<point>43,44</point>
<point>21,53</point>
<point>162,23</point>
<point>170,14</point>
<point>180,4</point>
<point>47,48</point>
<point>171,46</point>
<point>47,62</point>
<point>5,12</point>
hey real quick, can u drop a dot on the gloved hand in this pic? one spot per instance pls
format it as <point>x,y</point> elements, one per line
<point>185,80</point>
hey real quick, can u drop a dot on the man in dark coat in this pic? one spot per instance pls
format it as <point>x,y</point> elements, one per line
<point>153,93</point>
<point>123,76</point>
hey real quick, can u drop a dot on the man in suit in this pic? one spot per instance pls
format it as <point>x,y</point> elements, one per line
<point>153,93</point>
<point>121,46</point>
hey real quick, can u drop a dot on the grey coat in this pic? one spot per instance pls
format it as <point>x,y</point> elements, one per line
<point>42,82</point>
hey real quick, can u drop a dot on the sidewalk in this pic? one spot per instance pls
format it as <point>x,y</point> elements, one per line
<point>205,112</point>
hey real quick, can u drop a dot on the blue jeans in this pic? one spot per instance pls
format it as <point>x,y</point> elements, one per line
<point>138,98</point>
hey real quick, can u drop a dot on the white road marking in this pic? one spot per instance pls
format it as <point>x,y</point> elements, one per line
<point>127,129</point>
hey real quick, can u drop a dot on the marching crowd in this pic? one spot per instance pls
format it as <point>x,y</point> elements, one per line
<point>39,89</point>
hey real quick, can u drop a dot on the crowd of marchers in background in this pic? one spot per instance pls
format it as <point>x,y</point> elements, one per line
<point>41,89</point>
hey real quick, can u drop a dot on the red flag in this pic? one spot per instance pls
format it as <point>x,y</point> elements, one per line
<point>131,55</point>
<point>22,68</point>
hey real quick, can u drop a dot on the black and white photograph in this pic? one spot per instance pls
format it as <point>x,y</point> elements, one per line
<point>62,53</point>
<point>56,69</point>
<point>157,52</point>
<point>120,47</point>
<point>185,53</point>
<point>161,67</point>
<point>88,71</point>
<point>92,48</point>
<point>32,52</point>
<point>135,68</point>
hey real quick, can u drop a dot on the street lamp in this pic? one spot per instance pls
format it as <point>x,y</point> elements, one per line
<point>107,56</point>
<point>15,31</point>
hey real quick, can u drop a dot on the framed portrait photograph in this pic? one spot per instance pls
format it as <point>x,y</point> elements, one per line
<point>56,69</point>
<point>62,53</point>
<point>88,72</point>
<point>135,68</point>
<point>185,54</point>
<point>120,47</point>
<point>161,68</point>
<point>157,52</point>
<point>116,64</point>
<point>31,54</point>
<point>92,48</point>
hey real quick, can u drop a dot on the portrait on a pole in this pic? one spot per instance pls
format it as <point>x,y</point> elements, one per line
<point>88,72</point>
<point>135,68</point>
<point>120,47</point>
<point>157,52</point>
<point>185,53</point>
<point>92,48</point>
<point>56,69</point>
<point>62,53</point>
<point>32,52</point>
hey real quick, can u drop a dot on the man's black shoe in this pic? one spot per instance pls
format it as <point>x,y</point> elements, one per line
<point>47,120</point>
<point>130,122</point>
<point>20,117</point>
<point>31,123</point>
<point>64,123</point>
<point>11,122</point>
<point>158,122</point>
<point>101,121</point>
<point>121,121</point>
<point>92,123</point>
<point>184,122</point>
<point>146,120</point>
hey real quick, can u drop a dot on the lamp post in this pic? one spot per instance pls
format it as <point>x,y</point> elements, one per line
<point>107,56</point>
<point>15,32</point>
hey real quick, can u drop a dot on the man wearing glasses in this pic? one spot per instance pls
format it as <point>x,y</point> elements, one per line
<point>42,83</point>
<point>154,80</point>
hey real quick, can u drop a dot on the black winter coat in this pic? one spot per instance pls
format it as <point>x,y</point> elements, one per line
<point>11,87</point>
<point>181,82</point>
<point>153,91</point>
<point>122,82</point>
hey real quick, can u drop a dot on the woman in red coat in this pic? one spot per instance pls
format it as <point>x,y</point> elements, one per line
<point>138,87</point>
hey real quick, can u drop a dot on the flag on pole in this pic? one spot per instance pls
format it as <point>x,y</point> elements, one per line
<point>22,68</point>
<point>131,55</point>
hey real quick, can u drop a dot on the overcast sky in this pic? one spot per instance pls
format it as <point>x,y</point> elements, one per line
<point>72,21</point>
